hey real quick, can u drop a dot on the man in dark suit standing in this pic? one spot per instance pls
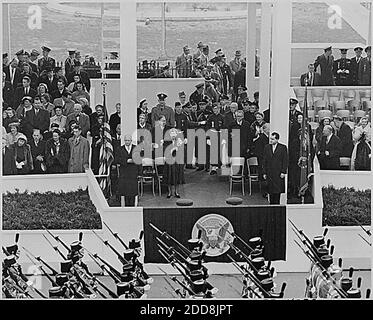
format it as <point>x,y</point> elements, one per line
<point>312,77</point>
<point>49,79</point>
<point>60,89</point>
<point>84,77</point>
<point>244,135</point>
<point>239,79</point>
<point>36,118</point>
<point>23,91</point>
<point>184,63</point>
<point>325,61</point>
<point>80,118</point>
<point>365,69</point>
<point>330,150</point>
<point>38,152</point>
<point>13,73</point>
<point>275,164</point>
<point>355,63</point>
<point>344,133</point>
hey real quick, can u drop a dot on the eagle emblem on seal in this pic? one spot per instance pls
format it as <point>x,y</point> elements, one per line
<point>213,231</point>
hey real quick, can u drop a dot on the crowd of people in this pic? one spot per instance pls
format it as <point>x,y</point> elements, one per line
<point>47,116</point>
<point>354,71</point>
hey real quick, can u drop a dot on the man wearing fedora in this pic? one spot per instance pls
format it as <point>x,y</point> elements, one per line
<point>355,63</point>
<point>184,63</point>
<point>325,61</point>
<point>365,69</point>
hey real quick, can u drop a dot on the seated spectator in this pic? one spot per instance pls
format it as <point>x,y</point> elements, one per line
<point>13,134</point>
<point>23,91</point>
<point>10,117</point>
<point>66,102</point>
<point>59,118</point>
<point>80,92</point>
<point>344,133</point>
<point>57,153</point>
<point>115,119</point>
<point>79,152</point>
<point>361,154</point>
<point>60,89</point>
<point>85,106</point>
<point>80,118</point>
<point>41,89</point>
<point>84,77</point>
<point>46,104</point>
<point>20,157</point>
<point>8,91</point>
<point>27,71</point>
<point>93,119</point>
<point>37,146</point>
<point>36,118</point>
<point>26,105</point>
<point>330,150</point>
<point>72,86</point>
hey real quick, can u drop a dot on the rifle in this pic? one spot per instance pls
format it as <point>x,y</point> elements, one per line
<point>235,235</point>
<point>38,258</point>
<point>115,235</point>
<point>103,268</point>
<point>176,290</point>
<point>57,238</point>
<point>54,284</point>
<point>55,248</point>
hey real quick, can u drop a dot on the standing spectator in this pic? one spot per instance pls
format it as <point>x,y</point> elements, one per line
<point>225,102</point>
<point>27,71</point>
<point>69,62</point>
<point>344,133</point>
<point>59,118</point>
<point>244,135</point>
<point>115,119</point>
<point>258,151</point>
<point>13,73</point>
<point>36,118</point>
<point>8,92</point>
<point>37,146</point>
<point>80,92</point>
<point>365,69</point>
<point>162,109</point>
<point>46,62</point>
<point>181,121</point>
<point>80,118</point>
<point>57,153</point>
<point>325,61</point>
<point>97,139</point>
<point>79,152</point>
<point>184,63</point>
<point>236,63</point>
<point>227,76</point>
<point>249,111</point>
<point>229,116</point>
<point>84,77</point>
<point>128,172</point>
<point>197,95</point>
<point>319,131</point>
<point>24,91</point>
<point>49,79</point>
<point>361,154</point>
<point>196,56</point>
<point>312,77</point>
<point>33,61</point>
<point>330,150</point>
<point>293,112</point>
<point>93,117</point>
<point>60,89</point>
<point>355,64</point>
<point>256,128</point>
<point>143,109</point>
<point>239,79</point>
<point>342,70</point>
<point>20,157</point>
<point>275,164</point>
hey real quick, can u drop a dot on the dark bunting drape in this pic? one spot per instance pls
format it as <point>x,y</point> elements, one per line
<point>246,221</point>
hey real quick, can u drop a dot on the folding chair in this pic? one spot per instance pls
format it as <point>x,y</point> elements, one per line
<point>253,170</point>
<point>147,175</point>
<point>353,105</point>
<point>236,174</point>
<point>159,166</point>
<point>320,104</point>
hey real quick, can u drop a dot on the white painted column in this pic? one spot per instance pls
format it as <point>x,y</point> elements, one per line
<point>128,62</point>
<point>265,50</point>
<point>281,64</point>
<point>250,48</point>
<point>128,72</point>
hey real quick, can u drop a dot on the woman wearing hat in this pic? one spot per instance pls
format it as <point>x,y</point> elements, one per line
<point>143,109</point>
<point>9,116</point>
<point>361,154</point>
<point>41,89</point>
<point>26,105</point>
<point>13,134</point>
<point>20,157</point>
<point>47,105</point>
<point>57,153</point>
<point>318,133</point>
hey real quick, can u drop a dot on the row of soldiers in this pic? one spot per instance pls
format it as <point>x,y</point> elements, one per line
<point>75,280</point>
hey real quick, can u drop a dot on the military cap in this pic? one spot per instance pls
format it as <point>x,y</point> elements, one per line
<point>242,87</point>
<point>368,48</point>
<point>258,262</point>
<point>126,276</point>
<point>161,96</point>
<point>26,77</point>
<point>128,254</point>
<point>44,48</point>
<point>203,101</point>
<point>346,284</point>
<point>27,98</point>
<point>343,50</point>
<point>123,287</point>
<point>177,103</point>
<point>255,241</point>
<point>20,52</point>
<point>55,292</point>
<point>354,293</point>
<point>293,101</point>
<point>238,53</point>
<point>12,249</point>
<point>318,241</point>
<point>10,260</point>
<point>62,278</point>
<point>196,275</point>
<point>71,51</point>
<point>326,261</point>
<point>358,48</point>
<point>194,264</point>
<point>200,44</point>
<point>322,252</point>
<point>76,246</point>
<point>328,49</point>
<point>182,94</point>
<point>256,253</point>
<point>196,256</point>
<point>65,266</point>
<point>193,243</point>
<point>136,243</point>
<point>14,124</point>
<point>5,55</point>
<point>199,286</point>
<point>217,51</point>
<point>128,267</point>
<point>186,47</point>
<point>35,52</point>
<point>7,107</point>
<point>26,53</point>
<point>199,85</point>
<point>267,284</point>
<point>263,274</point>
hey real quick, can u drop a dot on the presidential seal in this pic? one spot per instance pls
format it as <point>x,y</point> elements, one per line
<point>214,235</point>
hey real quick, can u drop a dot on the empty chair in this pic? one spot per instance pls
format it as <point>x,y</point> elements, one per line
<point>159,167</point>
<point>364,95</point>
<point>353,105</point>
<point>358,114</point>
<point>320,104</point>
<point>345,163</point>
<point>318,94</point>
<point>366,105</point>
<point>148,174</point>
<point>321,114</point>
<point>334,95</point>
<point>253,172</point>
<point>236,174</point>
<point>349,95</point>
<point>344,114</point>
<point>339,105</point>
<point>311,115</point>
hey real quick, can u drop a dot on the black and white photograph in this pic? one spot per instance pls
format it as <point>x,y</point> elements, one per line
<point>175,151</point>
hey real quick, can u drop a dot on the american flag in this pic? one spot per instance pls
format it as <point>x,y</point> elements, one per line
<point>106,151</point>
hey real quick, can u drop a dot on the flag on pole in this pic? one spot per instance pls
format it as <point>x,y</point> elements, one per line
<point>305,150</point>
<point>106,150</point>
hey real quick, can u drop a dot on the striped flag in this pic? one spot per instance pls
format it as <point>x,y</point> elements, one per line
<point>106,152</point>
<point>305,151</point>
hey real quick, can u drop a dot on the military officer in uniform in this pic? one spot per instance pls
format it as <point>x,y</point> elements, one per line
<point>197,96</point>
<point>69,63</point>
<point>365,67</point>
<point>325,61</point>
<point>355,63</point>
<point>342,70</point>
<point>46,61</point>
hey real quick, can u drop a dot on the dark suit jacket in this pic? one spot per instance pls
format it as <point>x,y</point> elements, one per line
<point>355,70</point>
<point>38,150</point>
<point>84,77</point>
<point>128,172</point>
<point>334,147</point>
<point>345,134</point>
<point>17,76</point>
<point>83,122</point>
<point>8,93</point>
<point>315,81</point>
<point>57,94</point>
<point>245,137</point>
<point>32,121</point>
<point>364,72</point>
<point>273,165</point>
<point>52,85</point>
<point>20,93</point>
<point>326,70</point>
